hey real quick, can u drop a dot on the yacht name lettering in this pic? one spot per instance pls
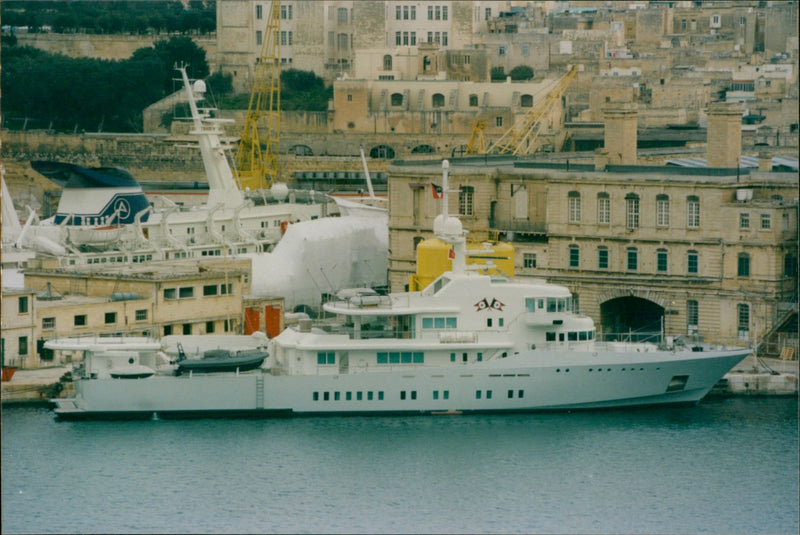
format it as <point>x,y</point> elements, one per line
<point>484,304</point>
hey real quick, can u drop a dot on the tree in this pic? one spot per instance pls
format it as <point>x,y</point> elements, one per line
<point>521,72</point>
<point>498,74</point>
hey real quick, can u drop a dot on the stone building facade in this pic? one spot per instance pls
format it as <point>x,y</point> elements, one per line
<point>705,252</point>
<point>153,299</point>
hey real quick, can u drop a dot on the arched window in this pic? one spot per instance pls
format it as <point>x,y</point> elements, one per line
<point>574,199</point>
<point>423,149</point>
<point>387,62</point>
<point>437,100</point>
<point>526,101</point>
<point>743,265</point>
<point>301,150</point>
<point>473,100</point>
<point>397,99</point>
<point>382,151</point>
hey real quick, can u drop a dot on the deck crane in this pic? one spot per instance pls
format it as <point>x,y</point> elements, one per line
<point>257,156</point>
<point>520,138</point>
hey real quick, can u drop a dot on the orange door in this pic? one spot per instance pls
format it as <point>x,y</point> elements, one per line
<point>252,319</point>
<point>272,318</point>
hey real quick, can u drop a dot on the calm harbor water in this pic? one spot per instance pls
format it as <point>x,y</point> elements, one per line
<point>725,466</point>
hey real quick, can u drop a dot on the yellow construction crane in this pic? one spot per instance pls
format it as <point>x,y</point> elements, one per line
<point>257,156</point>
<point>477,144</point>
<point>520,138</point>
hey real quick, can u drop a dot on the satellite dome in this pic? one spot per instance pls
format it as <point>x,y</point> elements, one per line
<point>452,227</point>
<point>279,191</point>
<point>199,87</point>
<point>438,224</point>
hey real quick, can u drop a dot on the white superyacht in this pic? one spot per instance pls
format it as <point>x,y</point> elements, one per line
<point>467,343</point>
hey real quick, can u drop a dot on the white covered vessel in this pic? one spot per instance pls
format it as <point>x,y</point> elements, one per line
<point>468,342</point>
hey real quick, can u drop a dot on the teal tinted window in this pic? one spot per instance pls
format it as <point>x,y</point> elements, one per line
<point>530,304</point>
<point>452,357</point>
<point>446,394</point>
<point>380,395</point>
<point>438,323</point>
<point>427,323</point>
<point>405,357</point>
<point>383,358</point>
<point>394,357</point>
<point>419,357</point>
<point>450,323</point>
<point>435,394</point>
<point>582,335</point>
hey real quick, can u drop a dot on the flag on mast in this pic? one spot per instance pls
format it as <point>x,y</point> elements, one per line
<point>437,191</point>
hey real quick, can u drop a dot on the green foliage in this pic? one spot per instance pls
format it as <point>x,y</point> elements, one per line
<point>521,72</point>
<point>304,90</point>
<point>93,94</point>
<point>498,74</point>
<point>220,84</point>
<point>112,17</point>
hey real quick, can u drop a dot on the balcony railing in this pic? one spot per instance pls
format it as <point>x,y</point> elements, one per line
<point>518,225</point>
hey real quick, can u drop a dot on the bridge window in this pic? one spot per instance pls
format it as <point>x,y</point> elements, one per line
<point>326,357</point>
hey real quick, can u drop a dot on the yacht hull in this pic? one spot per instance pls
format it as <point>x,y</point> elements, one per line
<point>578,382</point>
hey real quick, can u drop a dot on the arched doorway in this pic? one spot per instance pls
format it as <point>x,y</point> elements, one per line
<point>631,317</point>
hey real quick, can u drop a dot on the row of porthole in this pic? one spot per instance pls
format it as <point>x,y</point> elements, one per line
<point>566,370</point>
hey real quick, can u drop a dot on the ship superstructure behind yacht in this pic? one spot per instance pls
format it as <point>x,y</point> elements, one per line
<point>104,216</point>
<point>468,342</point>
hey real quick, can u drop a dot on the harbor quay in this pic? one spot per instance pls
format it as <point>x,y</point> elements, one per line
<point>751,377</point>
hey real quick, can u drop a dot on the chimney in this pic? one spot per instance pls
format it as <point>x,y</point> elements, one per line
<point>724,145</point>
<point>620,132</point>
<point>600,159</point>
<point>764,161</point>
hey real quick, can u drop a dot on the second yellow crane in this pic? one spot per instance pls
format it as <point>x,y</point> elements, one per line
<point>257,156</point>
